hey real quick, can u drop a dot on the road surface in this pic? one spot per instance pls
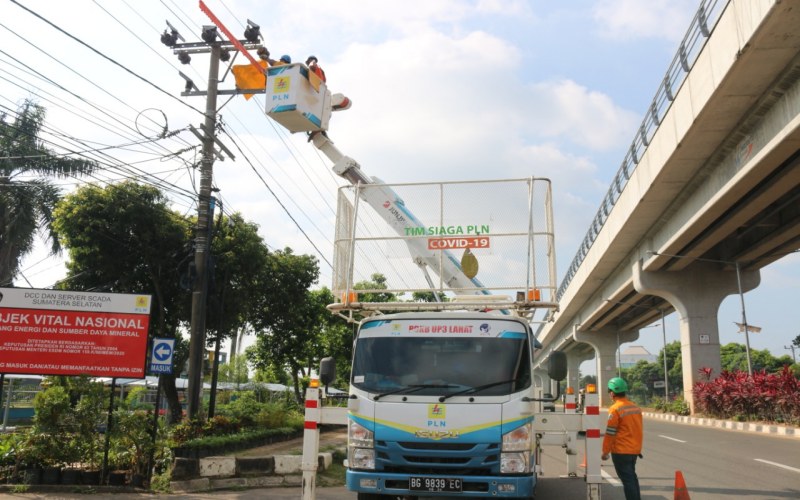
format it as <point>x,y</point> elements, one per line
<point>716,464</point>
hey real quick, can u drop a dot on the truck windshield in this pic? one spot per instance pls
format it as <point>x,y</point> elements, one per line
<point>441,365</point>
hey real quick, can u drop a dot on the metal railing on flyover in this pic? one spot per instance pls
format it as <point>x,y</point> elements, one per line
<point>703,23</point>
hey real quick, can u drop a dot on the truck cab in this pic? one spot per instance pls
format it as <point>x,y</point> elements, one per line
<point>442,404</point>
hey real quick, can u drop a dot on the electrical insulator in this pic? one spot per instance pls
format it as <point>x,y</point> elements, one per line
<point>252,34</point>
<point>169,39</point>
<point>209,34</point>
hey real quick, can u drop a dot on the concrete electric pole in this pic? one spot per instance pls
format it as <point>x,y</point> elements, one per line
<point>219,50</point>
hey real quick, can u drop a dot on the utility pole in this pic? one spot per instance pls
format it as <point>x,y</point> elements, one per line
<point>666,373</point>
<point>197,338</point>
<point>219,50</point>
<point>792,347</point>
<point>744,321</point>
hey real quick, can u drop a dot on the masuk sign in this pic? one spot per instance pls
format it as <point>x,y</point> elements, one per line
<point>55,332</point>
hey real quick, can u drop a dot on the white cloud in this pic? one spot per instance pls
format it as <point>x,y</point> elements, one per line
<point>461,112</point>
<point>626,19</point>
<point>587,118</point>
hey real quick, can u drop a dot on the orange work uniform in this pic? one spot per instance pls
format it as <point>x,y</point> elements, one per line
<point>624,428</point>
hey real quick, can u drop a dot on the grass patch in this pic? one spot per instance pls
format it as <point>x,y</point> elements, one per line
<point>335,474</point>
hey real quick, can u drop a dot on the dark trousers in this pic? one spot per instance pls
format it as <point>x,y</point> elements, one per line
<point>625,465</point>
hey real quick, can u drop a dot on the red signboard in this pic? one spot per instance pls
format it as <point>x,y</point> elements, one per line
<point>54,332</point>
<point>458,242</point>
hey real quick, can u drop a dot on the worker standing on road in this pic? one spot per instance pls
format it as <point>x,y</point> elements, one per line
<point>623,439</point>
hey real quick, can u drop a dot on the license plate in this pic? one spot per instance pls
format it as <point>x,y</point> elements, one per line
<point>450,484</point>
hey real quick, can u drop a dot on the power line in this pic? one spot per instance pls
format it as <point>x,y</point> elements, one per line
<point>282,205</point>
<point>128,172</point>
<point>110,59</point>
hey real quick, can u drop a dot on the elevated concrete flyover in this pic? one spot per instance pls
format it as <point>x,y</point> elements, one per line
<point>707,195</point>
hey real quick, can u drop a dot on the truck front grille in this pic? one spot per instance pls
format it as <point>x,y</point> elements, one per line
<point>438,458</point>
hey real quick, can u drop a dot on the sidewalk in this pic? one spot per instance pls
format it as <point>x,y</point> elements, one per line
<point>759,427</point>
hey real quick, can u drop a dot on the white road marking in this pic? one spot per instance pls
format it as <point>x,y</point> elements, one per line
<point>776,464</point>
<point>611,479</point>
<point>671,439</point>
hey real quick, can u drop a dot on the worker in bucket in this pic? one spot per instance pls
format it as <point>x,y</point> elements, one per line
<point>263,53</point>
<point>623,438</point>
<point>313,66</point>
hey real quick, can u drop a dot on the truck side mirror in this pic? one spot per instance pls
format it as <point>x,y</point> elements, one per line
<point>557,366</point>
<point>327,370</point>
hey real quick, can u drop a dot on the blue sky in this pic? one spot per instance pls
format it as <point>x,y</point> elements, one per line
<point>445,90</point>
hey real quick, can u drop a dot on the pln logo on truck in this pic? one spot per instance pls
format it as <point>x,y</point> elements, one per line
<point>436,411</point>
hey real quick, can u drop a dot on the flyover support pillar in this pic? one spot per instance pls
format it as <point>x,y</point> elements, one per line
<point>605,341</point>
<point>574,359</point>
<point>696,294</point>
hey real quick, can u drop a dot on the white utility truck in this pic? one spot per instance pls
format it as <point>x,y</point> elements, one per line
<point>445,398</point>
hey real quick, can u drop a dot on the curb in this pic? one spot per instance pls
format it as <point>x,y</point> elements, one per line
<point>779,430</point>
<point>222,473</point>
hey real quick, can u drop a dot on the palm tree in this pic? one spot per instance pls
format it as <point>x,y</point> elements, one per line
<point>27,202</point>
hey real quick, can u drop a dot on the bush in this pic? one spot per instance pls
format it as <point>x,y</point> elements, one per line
<point>773,397</point>
<point>186,431</point>
<point>241,439</point>
<point>679,406</point>
<point>659,403</point>
<point>221,425</point>
<point>245,409</point>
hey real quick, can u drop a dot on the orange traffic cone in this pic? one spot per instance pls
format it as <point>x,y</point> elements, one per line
<point>681,493</point>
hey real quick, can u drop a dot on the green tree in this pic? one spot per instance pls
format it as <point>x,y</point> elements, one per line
<point>640,380</point>
<point>124,238</point>
<point>428,297</point>
<point>734,358</point>
<point>378,282</point>
<point>27,195</point>
<point>234,371</point>
<point>334,337</point>
<point>288,317</point>
<point>674,366</point>
<point>238,257</point>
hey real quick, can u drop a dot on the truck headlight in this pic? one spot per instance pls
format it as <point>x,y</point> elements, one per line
<point>519,439</point>
<point>514,463</point>
<point>361,458</point>
<point>359,436</point>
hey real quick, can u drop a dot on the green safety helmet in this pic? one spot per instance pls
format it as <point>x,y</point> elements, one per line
<point>617,385</point>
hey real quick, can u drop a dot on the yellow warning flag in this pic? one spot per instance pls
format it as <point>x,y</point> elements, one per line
<point>248,77</point>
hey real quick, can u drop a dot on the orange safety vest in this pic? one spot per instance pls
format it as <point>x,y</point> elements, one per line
<point>318,71</point>
<point>624,428</point>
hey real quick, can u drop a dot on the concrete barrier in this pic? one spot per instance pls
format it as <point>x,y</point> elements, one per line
<point>246,472</point>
